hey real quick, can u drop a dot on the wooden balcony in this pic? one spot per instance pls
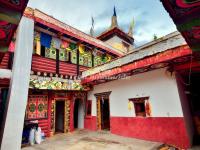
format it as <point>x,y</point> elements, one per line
<point>42,64</point>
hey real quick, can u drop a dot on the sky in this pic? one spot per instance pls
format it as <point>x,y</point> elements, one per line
<point>149,15</point>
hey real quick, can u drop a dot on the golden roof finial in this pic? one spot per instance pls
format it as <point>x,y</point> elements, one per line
<point>92,28</point>
<point>114,19</point>
<point>132,25</point>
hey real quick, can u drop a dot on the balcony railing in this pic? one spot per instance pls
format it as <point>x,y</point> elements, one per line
<point>42,64</point>
<point>5,61</point>
<point>48,65</point>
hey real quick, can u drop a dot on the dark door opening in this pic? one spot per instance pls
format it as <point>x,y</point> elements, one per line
<point>193,93</point>
<point>3,98</point>
<point>76,106</point>
<point>59,122</point>
<point>105,114</point>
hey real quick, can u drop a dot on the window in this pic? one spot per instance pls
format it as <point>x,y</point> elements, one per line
<point>89,108</point>
<point>142,106</point>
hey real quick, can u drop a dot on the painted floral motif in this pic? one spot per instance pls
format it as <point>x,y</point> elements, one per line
<point>55,84</point>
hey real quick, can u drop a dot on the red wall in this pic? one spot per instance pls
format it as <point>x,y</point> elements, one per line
<point>44,124</point>
<point>161,129</point>
<point>90,123</point>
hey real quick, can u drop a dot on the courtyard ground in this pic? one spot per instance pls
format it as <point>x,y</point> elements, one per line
<point>87,140</point>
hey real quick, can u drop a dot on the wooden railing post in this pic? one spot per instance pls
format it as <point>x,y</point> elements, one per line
<point>57,62</point>
<point>78,66</point>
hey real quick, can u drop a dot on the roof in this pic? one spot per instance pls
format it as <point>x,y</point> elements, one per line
<point>186,16</point>
<point>115,31</point>
<point>67,30</point>
<point>164,49</point>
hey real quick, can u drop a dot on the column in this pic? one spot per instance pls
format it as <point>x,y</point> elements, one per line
<point>18,91</point>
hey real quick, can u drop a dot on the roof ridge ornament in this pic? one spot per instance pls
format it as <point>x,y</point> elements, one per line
<point>131,28</point>
<point>92,27</point>
<point>114,19</point>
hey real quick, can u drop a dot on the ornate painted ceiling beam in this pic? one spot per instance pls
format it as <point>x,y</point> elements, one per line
<point>59,26</point>
<point>159,60</point>
<point>10,16</point>
<point>186,16</point>
<point>160,45</point>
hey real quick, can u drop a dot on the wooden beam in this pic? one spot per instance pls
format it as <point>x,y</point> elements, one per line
<point>187,66</point>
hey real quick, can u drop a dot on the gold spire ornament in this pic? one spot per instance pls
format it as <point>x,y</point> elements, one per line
<point>92,28</point>
<point>92,32</point>
<point>114,19</point>
<point>131,28</point>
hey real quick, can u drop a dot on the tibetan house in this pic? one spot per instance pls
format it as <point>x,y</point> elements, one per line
<point>105,83</point>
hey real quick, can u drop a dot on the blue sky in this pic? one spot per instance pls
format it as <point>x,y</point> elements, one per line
<point>149,15</point>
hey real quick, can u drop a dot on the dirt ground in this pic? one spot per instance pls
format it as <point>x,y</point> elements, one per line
<point>86,140</point>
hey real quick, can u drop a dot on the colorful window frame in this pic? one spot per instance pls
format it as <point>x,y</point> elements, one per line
<point>142,106</point>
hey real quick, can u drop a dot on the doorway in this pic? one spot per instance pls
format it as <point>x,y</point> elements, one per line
<point>59,118</point>
<point>189,92</point>
<point>193,94</point>
<point>103,113</point>
<point>78,114</point>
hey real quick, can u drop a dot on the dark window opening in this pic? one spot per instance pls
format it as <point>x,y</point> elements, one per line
<point>140,109</point>
<point>142,106</point>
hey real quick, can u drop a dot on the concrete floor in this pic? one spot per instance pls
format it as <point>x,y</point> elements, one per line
<point>86,140</point>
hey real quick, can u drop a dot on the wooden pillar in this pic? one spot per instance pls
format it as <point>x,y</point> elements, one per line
<point>57,61</point>
<point>50,99</point>
<point>10,60</point>
<point>13,121</point>
<point>92,60</point>
<point>78,66</point>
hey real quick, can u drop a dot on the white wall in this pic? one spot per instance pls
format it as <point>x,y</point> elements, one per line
<point>161,88</point>
<point>80,115</point>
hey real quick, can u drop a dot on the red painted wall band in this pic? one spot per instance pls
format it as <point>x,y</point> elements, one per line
<point>161,129</point>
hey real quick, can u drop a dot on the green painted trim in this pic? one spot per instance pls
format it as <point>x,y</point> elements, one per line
<point>10,16</point>
<point>190,1</point>
<point>196,48</point>
<point>3,49</point>
<point>189,25</point>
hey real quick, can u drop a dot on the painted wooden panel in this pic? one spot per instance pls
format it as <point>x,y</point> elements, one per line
<point>37,107</point>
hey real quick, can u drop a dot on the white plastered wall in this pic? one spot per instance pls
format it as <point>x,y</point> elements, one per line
<point>160,87</point>
<point>80,115</point>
